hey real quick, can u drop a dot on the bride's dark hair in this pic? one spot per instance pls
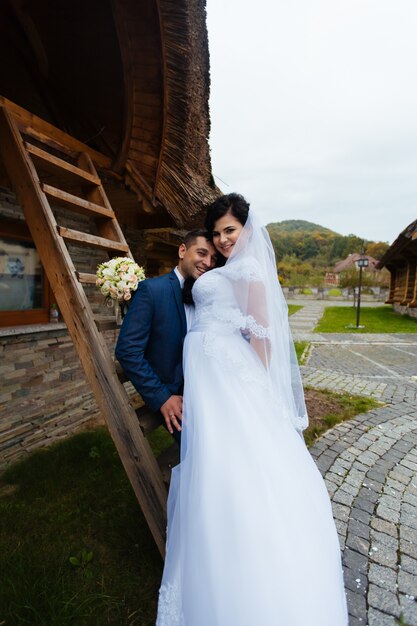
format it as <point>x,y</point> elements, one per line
<point>232,203</point>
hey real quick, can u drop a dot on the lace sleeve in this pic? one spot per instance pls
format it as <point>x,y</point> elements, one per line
<point>247,270</point>
<point>247,280</point>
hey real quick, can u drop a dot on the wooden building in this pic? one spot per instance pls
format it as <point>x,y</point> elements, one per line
<point>401,260</point>
<point>103,152</point>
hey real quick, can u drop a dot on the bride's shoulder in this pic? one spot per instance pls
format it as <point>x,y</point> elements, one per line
<point>248,269</point>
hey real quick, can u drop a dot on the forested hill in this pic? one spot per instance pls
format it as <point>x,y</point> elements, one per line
<point>290,226</point>
<point>299,240</point>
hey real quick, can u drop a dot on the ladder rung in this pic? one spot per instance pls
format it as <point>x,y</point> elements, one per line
<point>120,373</point>
<point>92,240</point>
<point>106,322</point>
<point>54,164</point>
<point>148,420</point>
<point>80,205</point>
<point>86,279</point>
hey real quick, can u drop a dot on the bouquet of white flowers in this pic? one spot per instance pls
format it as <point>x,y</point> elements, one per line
<point>117,278</point>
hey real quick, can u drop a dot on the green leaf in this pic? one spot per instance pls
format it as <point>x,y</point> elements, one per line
<point>87,557</point>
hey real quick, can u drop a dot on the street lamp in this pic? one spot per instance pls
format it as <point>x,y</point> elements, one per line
<point>361,262</point>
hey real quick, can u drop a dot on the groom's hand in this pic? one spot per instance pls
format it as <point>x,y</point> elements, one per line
<point>172,413</point>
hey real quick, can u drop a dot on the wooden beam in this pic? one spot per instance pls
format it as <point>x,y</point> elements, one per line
<point>411,283</point>
<point>75,203</point>
<point>413,302</point>
<point>92,240</point>
<point>137,176</point>
<point>148,420</point>
<point>36,127</point>
<point>406,297</point>
<point>86,279</point>
<point>105,322</point>
<point>120,372</point>
<point>393,275</point>
<point>55,165</point>
<point>119,15</point>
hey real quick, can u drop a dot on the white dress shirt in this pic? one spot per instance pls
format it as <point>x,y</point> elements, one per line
<point>189,308</point>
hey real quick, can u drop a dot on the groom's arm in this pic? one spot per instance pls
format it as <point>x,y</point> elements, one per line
<point>131,346</point>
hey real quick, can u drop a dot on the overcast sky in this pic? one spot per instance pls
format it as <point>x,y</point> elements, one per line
<point>314,110</point>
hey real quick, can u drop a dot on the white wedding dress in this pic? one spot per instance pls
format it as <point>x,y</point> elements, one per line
<point>251,537</point>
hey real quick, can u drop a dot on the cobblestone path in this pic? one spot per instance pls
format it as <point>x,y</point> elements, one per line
<point>370,467</point>
<point>381,366</point>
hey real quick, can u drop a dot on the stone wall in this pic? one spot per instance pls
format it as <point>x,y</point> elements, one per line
<point>44,395</point>
<point>405,310</point>
<point>369,294</point>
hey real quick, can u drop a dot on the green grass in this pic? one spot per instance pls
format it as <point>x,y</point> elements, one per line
<point>74,546</point>
<point>401,621</point>
<point>349,406</point>
<point>293,308</point>
<point>381,319</point>
<point>300,347</point>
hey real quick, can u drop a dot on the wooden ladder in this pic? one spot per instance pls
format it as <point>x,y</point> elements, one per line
<point>23,161</point>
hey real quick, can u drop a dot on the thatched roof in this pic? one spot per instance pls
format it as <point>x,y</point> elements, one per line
<point>405,243</point>
<point>131,79</point>
<point>185,178</point>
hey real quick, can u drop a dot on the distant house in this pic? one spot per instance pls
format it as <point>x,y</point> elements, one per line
<point>401,260</point>
<point>331,279</point>
<point>351,262</point>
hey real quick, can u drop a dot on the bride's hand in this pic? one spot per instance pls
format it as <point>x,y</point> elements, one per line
<point>172,413</point>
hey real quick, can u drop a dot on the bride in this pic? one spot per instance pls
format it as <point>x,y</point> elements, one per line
<point>251,538</point>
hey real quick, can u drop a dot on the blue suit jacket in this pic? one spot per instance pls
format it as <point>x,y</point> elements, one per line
<point>150,342</point>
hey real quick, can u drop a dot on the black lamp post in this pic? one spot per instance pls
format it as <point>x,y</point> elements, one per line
<point>362,262</point>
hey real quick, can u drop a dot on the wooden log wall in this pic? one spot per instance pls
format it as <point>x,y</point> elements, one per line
<point>400,282</point>
<point>393,276</point>
<point>412,303</point>
<point>410,278</point>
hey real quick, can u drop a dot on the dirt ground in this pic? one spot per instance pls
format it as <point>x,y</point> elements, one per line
<point>318,405</point>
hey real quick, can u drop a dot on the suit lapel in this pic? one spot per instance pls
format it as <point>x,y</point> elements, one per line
<point>175,284</point>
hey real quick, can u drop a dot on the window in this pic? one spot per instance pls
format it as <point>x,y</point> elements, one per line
<point>24,289</point>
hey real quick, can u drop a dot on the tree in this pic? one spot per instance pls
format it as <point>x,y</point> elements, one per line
<point>350,278</point>
<point>377,249</point>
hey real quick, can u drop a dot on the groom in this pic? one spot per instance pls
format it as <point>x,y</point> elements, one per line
<point>149,347</point>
